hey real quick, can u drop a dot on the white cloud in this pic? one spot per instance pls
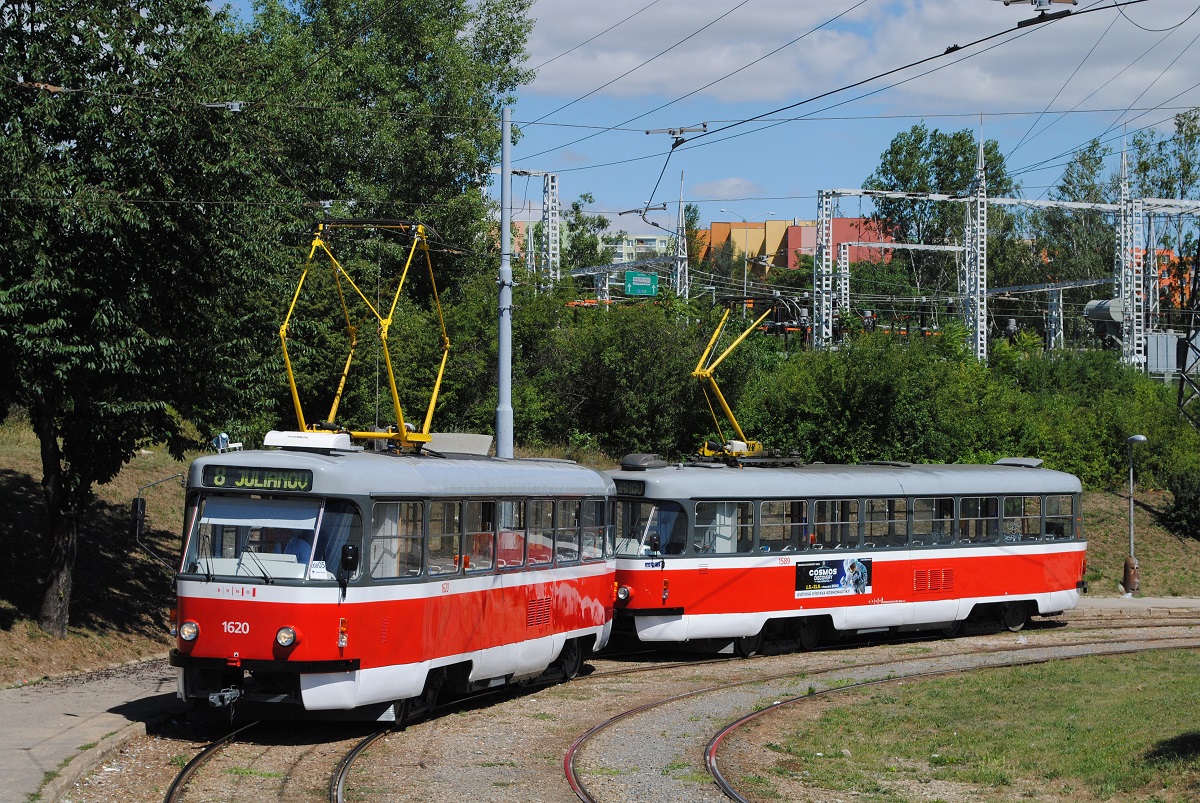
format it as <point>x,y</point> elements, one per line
<point>727,189</point>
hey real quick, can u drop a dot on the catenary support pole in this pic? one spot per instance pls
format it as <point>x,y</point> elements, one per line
<point>504,410</point>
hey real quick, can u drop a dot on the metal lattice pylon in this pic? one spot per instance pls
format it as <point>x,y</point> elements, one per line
<point>823,273</point>
<point>972,272</point>
<point>842,280</point>
<point>550,224</point>
<point>1130,279</point>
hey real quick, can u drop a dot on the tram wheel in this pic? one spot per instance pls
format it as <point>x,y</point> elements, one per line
<point>421,706</point>
<point>954,629</point>
<point>809,632</point>
<point>570,660</point>
<point>1014,616</point>
<point>747,646</point>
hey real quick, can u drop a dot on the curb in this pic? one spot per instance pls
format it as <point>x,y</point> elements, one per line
<point>82,764</point>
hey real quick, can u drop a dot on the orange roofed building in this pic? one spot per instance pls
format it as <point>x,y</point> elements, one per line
<point>782,242</point>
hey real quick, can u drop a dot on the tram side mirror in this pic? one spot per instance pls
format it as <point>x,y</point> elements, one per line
<point>350,558</point>
<point>137,517</point>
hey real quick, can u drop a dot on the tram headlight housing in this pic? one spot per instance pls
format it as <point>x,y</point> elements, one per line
<point>624,593</point>
<point>189,630</point>
<point>287,636</point>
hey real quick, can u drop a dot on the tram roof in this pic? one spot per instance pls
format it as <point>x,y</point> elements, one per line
<point>367,473</point>
<point>717,481</point>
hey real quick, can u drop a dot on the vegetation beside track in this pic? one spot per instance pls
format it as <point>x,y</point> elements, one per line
<point>1105,728</point>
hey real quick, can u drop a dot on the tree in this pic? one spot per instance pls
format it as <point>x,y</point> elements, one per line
<point>130,207</point>
<point>1077,244</point>
<point>695,242</point>
<point>1169,167</point>
<point>587,244</point>
<point>924,161</point>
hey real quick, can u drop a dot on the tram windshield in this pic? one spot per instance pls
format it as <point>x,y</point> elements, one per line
<point>650,528</point>
<point>268,538</point>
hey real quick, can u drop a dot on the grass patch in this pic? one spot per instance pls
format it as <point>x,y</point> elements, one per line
<point>1120,727</point>
<point>249,772</point>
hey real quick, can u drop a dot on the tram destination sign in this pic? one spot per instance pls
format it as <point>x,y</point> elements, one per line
<point>245,478</point>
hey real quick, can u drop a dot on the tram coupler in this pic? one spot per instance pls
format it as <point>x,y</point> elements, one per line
<point>224,697</point>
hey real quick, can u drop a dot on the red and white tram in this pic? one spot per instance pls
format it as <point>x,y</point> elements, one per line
<point>718,554</point>
<point>323,577</point>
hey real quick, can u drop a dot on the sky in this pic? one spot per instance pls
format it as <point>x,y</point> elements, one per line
<point>804,95</point>
<point>606,76</point>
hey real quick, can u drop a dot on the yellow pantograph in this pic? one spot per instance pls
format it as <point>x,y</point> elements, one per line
<point>405,435</point>
<point>705,372</point>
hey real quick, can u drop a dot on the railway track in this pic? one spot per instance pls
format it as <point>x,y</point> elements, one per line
<point>630,727</point>
<point>459,742</point>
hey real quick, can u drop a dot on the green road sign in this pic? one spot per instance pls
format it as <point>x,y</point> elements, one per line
<point>641,284</point>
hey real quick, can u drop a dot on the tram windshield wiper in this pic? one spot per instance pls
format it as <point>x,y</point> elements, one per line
<point>266,576</point>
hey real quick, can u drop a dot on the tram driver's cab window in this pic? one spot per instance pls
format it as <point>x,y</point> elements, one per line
<point>649,528</point>
<point>397,534</point>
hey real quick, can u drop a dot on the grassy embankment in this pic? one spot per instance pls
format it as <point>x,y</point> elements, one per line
<point>122,594</point>
<point>1117,728</point>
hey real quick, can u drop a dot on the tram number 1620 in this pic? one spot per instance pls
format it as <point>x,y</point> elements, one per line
<point>237,628</point>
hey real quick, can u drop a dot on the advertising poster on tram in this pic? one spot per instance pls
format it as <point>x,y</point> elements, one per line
<point>830,578</point>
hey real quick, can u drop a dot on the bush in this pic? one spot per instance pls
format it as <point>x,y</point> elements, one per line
<point>1182,515</point>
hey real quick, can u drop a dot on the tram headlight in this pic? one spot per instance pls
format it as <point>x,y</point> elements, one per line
<point>287,636</point>
<point>189,630</point>
<point>624,593</point>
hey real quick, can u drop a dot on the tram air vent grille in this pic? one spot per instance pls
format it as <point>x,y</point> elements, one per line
<point>933,579</point>
<point>538,612</point>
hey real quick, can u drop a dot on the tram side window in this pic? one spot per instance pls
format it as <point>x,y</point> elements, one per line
<point>979,519</point>
<point>724,527</point>
<point>510,544</point>
<point>1022,518</point>
<point>835,524</point>
<point>566,532</point>
<point>781,525</point>
<point>1060,521</point>
<point>886,523</point>
<point>540,540</point>
<point>397,530</point>
<point>445,537</point>
<point>479,524</point>
<point>933,521</point>
<point>591,520</point>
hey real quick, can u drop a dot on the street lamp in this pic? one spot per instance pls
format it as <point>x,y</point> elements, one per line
<point>1131,580</point>
<point>746,252</point>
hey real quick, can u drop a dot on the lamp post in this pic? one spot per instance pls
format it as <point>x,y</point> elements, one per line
<point>1131,580</point>
<point>746,252</point>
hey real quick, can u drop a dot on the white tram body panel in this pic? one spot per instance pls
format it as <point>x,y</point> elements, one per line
<point>708,551</point>
<point>456,577</point>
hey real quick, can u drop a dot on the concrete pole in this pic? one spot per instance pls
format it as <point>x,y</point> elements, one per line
<point>504,410</point>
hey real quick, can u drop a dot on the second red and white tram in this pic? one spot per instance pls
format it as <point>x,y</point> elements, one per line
<point>324,577</point>
<point>715,553</point>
